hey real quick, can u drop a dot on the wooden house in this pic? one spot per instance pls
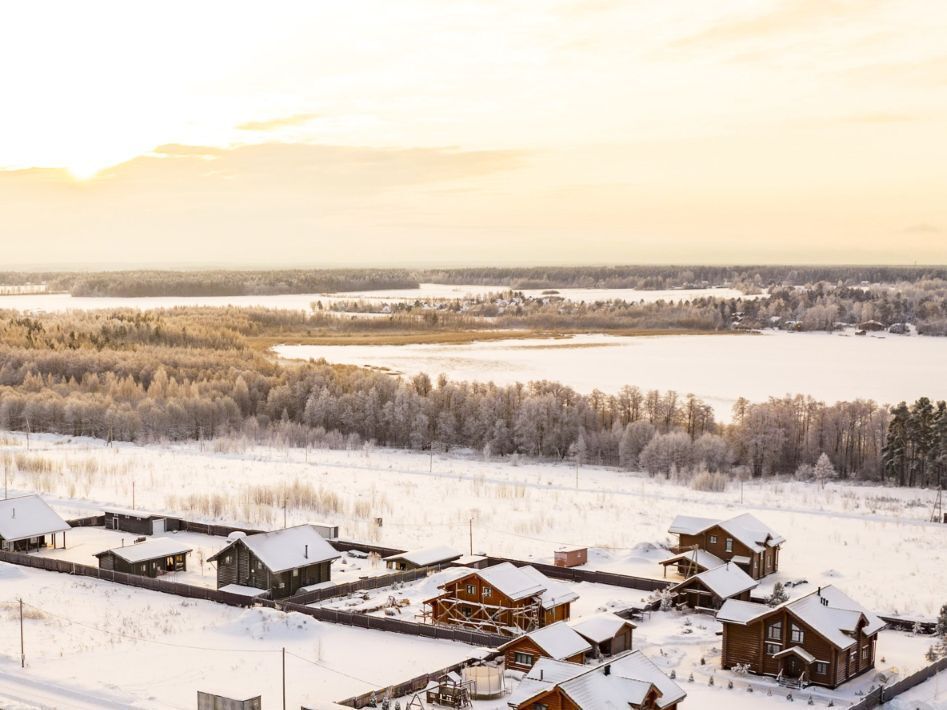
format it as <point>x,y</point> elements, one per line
<point>708,590</point>
<point>571,556</point>
<point>427,557</point>
<point>281,561</point>
<point>743,540</point>
<point>151,558</point>
<point>140,522</point>
<point>608,633</point>
<point>28,523</point>
<point>557,641</point>
<point>502,598</point>
<point>824,638</point>
<point>629,681</point>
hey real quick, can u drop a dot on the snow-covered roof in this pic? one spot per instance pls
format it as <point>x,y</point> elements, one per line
<point>746,528</point>
<point>690,525</point>
<point>243,590</point>
<point>558,641</point>
<point>286,549</point>
<point>725,581</point>
<point>28,516</point>
<point>601,627</point>
<point>149,550</point>
<point>133,513</point>
<point>828,611</point>
<point>554,593</point>
<point>426,556</point>
<point>630,677</point>
<point>703,559</point>
<point>511,581</point>
<point>797,651</point>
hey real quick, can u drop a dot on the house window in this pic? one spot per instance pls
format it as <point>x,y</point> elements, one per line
<point>228,559</point>
<point>728,544</point>
<point>295,572</point>
<point>282,585</point>
<point>821,668</point>
<point>853,656</point>
<point>775,631</point>
<point>487,591</point>
<point>471,589</point>
<point>466,611</point>
<point>540,706</point>
<point>772,648</point>
<point>865,653</point>
<point>796,634</point>
<point>713,539</point>
<point>522,659</point>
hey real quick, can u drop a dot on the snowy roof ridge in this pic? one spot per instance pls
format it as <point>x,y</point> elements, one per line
<point>28,516</point>
<point>631,675</point>
<point>725,581</point>
<point>827,610</point>
<point>601,627</point>
<point>289,548</point>
<point>559,641</point>
<point>148,550</point>
<point>746,528</point>
<point>427,556</point>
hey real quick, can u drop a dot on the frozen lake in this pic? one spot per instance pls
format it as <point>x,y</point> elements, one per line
<point>716,368</point>
<point>59,302</point>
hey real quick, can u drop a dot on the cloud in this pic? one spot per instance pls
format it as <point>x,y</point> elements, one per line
<point>922,228</point>
<point>881,118</point>
<point>274,124</point>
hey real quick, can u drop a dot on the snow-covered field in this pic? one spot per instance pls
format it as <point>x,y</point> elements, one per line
<point>122,647</point>
<point>58,302</point>
<point>872,542</point>
<point>716,368</point>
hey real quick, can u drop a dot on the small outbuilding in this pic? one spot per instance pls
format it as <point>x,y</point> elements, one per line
<point>608,633</point>
<point>557,641</point>
<point>426,557</point>
<point>571,556</point>
<point>28,523</point>
<point>140,522</point>
<point>213,701</point>
<point>151,558</point>
<point>711,588</point>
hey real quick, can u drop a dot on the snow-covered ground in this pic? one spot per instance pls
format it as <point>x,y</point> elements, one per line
<point>94,644</point>
<point>57,302</point>
<point>716,368</point>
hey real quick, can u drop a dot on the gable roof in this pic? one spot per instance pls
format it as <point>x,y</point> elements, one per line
<point>289,548</point>
<point>555,592</point>
<point>725,581</point>
<point>703,559</point>
<point>601,627</point>
<point>28,516</point>
<point>426,556</point>
<point>828,611</point>
<point>149,550</point>
<point>518,583</point>
<point>558,641</point>
<point>746,528</point>
<point>629,679</point>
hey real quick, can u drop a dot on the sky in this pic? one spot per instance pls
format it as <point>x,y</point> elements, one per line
<point>448,132</point>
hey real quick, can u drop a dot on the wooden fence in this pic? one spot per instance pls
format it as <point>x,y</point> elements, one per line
<point>880,696</point>
<point>384,580</point>
<point>572,574</point>
<point>93,521</point>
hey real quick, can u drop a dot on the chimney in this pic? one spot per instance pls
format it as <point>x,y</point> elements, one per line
<point>608,669</point>
<point>540,673</point>
<point>306,553</point>
<point>819,592</point>
<point>14,512</point>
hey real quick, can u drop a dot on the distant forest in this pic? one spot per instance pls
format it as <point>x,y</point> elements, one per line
<point>200,373</point>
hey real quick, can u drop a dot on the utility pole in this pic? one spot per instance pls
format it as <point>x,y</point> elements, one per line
<point>22,651</point>
<point>284,512</point>
<point>471,536</point>
<point>577,473</point>
<point>5,495</point>
<point>284,678</point>
<point>430,468</point>
<point>133,494</point>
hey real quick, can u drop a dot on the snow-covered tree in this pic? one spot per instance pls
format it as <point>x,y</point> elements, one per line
<point>824,469</point>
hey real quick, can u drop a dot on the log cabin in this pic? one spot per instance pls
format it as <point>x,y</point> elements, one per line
<point>502,598</point>
<point>627,681</point>
<point>281,561</point>
<point>823,638</point>
<point>427,557</point>
<point>140,522</point>
<point>557,641</point>
<point>708,590</point>
<point>28,523</point>
<point>608,633</point>
<point>743,540</point>
<point>151,558</point>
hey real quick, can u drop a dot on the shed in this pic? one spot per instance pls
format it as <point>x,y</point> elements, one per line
<point>426,557</point>
<point>140,522</point>
<point>26,522</point>
<point>151,558</point>
<point>212,701</point>
<point>711,588</point>
<point>571,556</point>
<point>608,633</point>
<point>557,641</point>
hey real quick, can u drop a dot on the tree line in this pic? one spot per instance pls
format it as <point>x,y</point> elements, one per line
<point>193,373</point>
